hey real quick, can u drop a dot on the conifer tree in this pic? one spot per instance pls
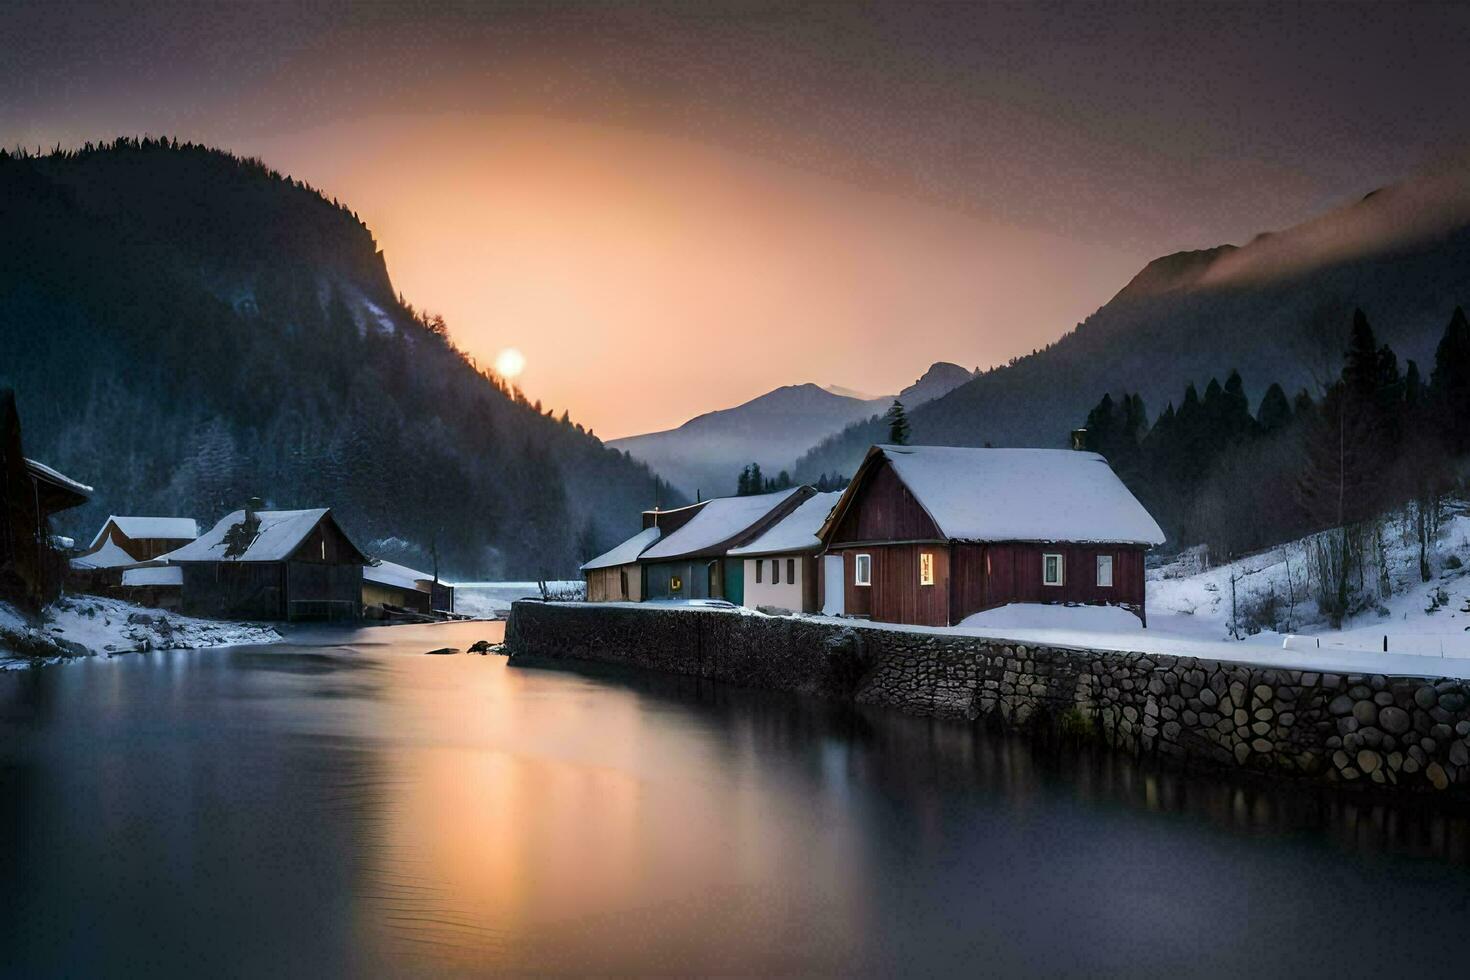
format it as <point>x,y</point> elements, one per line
<point>1274,412</point>
<point>898,424</point>
<point>1449,385</point>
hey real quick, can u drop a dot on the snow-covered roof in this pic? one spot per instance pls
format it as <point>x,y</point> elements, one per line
<point>42,470</point>
<point>165,528</point>
<point>796,531</point>
<point>1021,494</point>
<point>626,552</point>
<point>721,520</point>
<point>396,575</point>
<point>107,556</point>
<point>281,532</point>
<point>154,575</point>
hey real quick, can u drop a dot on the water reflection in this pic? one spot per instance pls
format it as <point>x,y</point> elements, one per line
<point>345,805</point>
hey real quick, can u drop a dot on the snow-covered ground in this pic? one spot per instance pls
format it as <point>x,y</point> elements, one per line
<point>491,600</point>
<point>84,625</point>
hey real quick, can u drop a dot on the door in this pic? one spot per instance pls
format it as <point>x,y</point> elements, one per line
<point>735,580</point>
<point>833,583</point>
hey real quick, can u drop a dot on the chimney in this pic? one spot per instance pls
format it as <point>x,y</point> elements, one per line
<point>1079,439</point>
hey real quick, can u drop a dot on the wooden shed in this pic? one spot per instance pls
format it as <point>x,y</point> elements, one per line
<point>929,535</point>
<point>692,561</point>
<point>144,538</point>
<point>386,583</point>
<point>615,575</point>
<point>31,570</point>
<point>272,565</point>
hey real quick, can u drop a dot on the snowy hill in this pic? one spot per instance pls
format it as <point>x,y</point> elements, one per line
<point>1277,309</point>
<point>186,329</point>
<point>707,453</point>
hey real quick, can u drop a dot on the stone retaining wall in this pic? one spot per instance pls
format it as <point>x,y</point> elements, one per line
<point>1368,729</point>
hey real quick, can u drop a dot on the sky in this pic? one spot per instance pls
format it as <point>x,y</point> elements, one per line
<point>672,208</point>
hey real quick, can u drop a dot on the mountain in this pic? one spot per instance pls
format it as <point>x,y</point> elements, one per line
<point>705,454</point>
<point>941,378</point>
<point>185,329</point>
<point>1278,309</point>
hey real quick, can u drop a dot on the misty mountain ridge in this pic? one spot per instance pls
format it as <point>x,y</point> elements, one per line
<point>1278,309</point>
<point>185,329</point>
<point>705,454</point>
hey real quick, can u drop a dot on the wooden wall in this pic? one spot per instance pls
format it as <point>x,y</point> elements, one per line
<point>606,584</point>
<point>896,595</point>
<point>990,575</point>
<point>883,510</point>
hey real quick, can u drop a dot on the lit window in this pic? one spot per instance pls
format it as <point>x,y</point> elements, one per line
<point>758,566</point>
<point>791,571</point>
<point>675,583</point>
<point>324,549</point>
<point>775,571</point>
<point>1105,570</point>
<point>1051,569</point>
<point>862,570</point>
<point>926,568</point>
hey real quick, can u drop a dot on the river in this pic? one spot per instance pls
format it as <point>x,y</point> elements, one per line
<point>344,804</point>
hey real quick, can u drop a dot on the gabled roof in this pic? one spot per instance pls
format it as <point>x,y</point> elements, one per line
<point>723,523</point>
<point>280,533</point>
<point>1013,494</point>
<point>164,528</point>
<point>797,531</point>
<point>626,552</point>
<point>396,575</point>
<point>107,556</point>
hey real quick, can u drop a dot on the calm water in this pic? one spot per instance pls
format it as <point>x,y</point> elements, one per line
<point>348,805</point>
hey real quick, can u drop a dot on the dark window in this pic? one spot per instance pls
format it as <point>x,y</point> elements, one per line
<point>623,581</point>
<point>758,564</point>
<point>775,571</point>
<point>791,571</point>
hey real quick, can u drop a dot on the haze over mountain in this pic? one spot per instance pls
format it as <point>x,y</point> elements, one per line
<point>1277,309</point>
<point>185,329</point>
<point>705,454</point>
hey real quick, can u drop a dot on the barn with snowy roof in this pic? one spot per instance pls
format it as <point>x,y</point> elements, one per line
<point>144,538</point>
<point>272,565</point>
<point>928,535</point>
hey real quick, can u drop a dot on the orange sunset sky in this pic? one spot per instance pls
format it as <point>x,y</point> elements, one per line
<point>671,208</point>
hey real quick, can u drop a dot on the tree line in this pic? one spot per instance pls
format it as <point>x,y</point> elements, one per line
<point>1376,436</point>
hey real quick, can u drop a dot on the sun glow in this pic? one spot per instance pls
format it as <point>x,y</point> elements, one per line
<point>509,363</point>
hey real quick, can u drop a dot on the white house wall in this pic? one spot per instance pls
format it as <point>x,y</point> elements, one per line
<point>787,595</point>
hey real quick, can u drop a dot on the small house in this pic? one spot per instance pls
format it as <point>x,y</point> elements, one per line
<point>272,565</point>
<point>929,535</point>
<point>692,561</point>
<point>31,569</point>
<point>615,575</point>
<point>386,583</point>
<point>780,566</point>
<point>145,538</point>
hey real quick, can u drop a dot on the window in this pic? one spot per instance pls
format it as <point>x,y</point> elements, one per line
<point>862,570</point>
<point>926,568</point>
<point>675,583</point>
<point>758,566</point>
<point>1105,571</point>
<point>1051,569</point>
<point>791,571</point>
<point>775,571</point>
<point>623,581</point>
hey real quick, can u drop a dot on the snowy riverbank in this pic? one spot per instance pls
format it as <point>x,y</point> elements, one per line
<point>78,626</point>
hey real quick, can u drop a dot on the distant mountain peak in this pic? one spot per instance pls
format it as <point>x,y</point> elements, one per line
<point>941,378</point>
<point>1177,270</point>
<point>842,392</point>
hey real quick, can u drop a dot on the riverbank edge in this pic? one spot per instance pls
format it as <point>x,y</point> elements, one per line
<point>1375,730</point>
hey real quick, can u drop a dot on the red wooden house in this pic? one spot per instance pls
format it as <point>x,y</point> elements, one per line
<point>928,535</point>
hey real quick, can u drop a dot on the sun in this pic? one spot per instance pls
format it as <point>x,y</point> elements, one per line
<point>509,363</point>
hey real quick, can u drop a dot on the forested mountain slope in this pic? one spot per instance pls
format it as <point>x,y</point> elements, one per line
<point>1277,309</point>
<point>185,329</point>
